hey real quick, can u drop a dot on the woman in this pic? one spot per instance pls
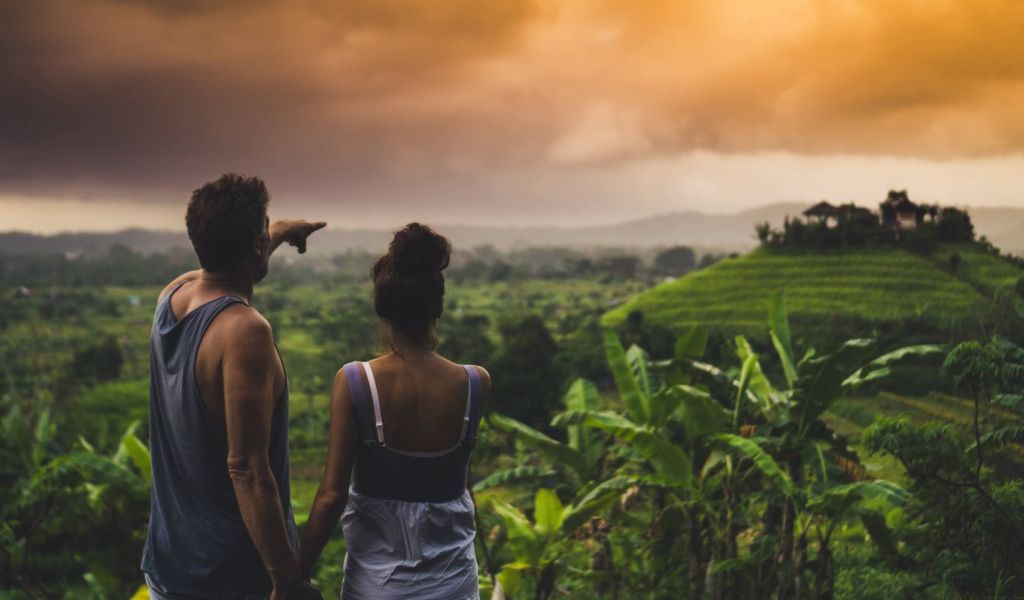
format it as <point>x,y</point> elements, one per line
<point>403,425</point>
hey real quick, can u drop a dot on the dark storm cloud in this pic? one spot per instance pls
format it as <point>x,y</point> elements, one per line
<point>386,98</point>
<point>146,94</point>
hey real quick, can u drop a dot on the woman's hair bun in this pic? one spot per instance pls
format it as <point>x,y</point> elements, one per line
<point>418,249</point>
<point>408,281</point>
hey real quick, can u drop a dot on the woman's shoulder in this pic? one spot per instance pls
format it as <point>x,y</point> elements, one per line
<point>481,371</point>
<point>485,377</point>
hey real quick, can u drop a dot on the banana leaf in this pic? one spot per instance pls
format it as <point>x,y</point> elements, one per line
<point>513,475</point>
<point>596,501</point>
<point>749,449</point>
<point>820,380</point>
<point>778,318</point>
<point>692,344</point>
<point>639,361</point>
<point>665,457</point>
<point>700,413</point>
<point>547,511</point>
<point>582,396</point>
<point>629,390</point>
<point>555,451</point>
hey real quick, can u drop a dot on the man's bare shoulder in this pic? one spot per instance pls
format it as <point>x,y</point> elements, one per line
<point>184,277</point>
<point>244,328</point>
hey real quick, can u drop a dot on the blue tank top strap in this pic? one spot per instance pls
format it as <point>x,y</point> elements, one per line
<point>168,295</point>
<point>474,404</point>
<point>360,402</point>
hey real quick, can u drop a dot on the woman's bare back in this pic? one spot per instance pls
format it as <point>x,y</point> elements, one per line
<point>423,400</point>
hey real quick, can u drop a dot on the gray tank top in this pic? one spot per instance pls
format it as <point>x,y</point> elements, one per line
<point>197,545</point>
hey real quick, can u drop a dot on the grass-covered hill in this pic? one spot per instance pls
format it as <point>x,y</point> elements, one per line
<point>875,285</point>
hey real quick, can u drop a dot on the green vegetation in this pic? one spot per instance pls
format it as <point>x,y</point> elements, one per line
<point>675,447</point>
<point>899,223</point>
<point>74,365</point>
<point>871,285</point>
<point>986,271</point>
<point>743,489</point>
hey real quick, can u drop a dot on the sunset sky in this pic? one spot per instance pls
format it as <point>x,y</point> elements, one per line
<point>370,113</point>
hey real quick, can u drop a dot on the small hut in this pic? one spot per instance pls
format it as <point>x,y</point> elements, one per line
<point>822,212</point>
<point>859,212</point>
<point>899,212</point>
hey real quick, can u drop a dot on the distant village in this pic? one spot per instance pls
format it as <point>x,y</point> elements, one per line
<point>896,211</point>
<point>898,221</point>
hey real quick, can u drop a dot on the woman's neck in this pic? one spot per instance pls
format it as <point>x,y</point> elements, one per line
<point>408,346</point>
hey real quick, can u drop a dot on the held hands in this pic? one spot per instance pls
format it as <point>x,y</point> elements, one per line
<point>289,585</point>
<point>298,590</point>
<point>293,232</point>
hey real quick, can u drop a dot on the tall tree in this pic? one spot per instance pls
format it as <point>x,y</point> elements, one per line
<point>674,261</point>
<point>530,383</point>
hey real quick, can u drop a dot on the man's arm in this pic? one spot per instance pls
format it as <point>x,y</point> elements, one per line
<point>292,232</point>
<point>332,494</point>
<point>249,372</point>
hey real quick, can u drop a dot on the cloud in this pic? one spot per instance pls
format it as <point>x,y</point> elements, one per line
<point>102,93</point>
<point>601,133</point>
<point>338,102</point>
<point>934,79</point>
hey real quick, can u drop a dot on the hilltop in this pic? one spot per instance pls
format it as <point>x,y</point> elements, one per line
<point>872,284</point>
<point>720,232</point>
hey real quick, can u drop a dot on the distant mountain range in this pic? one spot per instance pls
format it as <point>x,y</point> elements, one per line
<point>1003,226</point>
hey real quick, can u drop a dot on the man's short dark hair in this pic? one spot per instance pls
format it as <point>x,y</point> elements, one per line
<point>225,218</point>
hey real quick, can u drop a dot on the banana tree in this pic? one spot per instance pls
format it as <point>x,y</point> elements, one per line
<point>658,437</point>
<point>785,421</point>
<point>577,461</point>
<point>575,467</point>
<point>83,508</point>
<point>822,505</point>
<point>655,438</point>
<point>538,545</point>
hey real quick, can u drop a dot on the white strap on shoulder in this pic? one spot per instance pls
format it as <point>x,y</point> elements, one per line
<point>378,421</point>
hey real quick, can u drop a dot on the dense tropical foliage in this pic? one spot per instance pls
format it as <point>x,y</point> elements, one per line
<point>773,458</point>
<point>712,481</point>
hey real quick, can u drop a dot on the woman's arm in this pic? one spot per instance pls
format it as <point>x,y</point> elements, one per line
<point>332,495</point>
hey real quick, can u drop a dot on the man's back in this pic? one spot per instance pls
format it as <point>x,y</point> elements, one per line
<point>198,543</point>
<point>237,324</point>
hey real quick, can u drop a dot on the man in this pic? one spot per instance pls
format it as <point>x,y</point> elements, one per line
<point>221,523</point>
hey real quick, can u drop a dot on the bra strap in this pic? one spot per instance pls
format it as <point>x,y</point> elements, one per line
<point>378,420</point>
<point>364,418</point>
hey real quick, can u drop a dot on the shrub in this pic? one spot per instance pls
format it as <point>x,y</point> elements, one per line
<point>873,583</point>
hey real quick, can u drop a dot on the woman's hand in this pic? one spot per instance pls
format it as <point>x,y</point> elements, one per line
<point>298,590</point>
<point>332,495</point>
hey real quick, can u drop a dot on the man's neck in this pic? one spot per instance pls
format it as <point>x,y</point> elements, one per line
<point>236,284</point>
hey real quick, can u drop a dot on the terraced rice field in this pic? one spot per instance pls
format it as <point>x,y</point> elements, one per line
<point>877,285</point>
<point>850,416</point>
<point>987,273</point>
